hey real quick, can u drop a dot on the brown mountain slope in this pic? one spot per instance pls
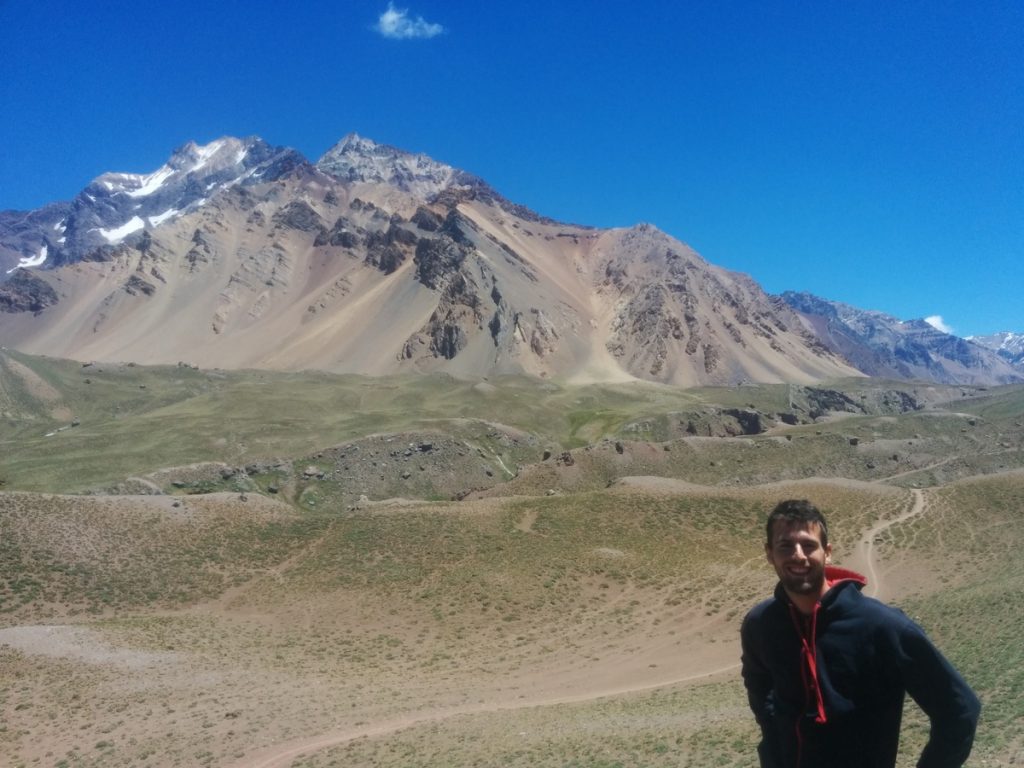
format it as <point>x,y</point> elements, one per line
<point>360,274</point>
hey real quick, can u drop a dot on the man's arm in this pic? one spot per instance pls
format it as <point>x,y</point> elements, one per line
<point>758,682</point>
<point>945,697</point>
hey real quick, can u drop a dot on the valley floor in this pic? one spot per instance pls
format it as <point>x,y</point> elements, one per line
<point>585,630</point>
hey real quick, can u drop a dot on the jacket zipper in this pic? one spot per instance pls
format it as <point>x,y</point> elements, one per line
<point>808,673</point>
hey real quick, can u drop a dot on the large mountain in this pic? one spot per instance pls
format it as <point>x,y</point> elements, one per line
<point>374,260</point>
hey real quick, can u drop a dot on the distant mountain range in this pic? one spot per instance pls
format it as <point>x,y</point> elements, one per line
<point>880,345</point>
<point>372,260</point>
<point>1009,346</point>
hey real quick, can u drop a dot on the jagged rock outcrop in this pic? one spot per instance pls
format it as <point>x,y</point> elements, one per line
<point>25,292</point>
<point>299,215</point>
<point>355,159</point>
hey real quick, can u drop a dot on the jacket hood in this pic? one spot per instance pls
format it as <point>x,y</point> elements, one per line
<point>834,575</point>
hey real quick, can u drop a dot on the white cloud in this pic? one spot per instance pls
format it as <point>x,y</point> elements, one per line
<point>936,322</point>
<point>395,23</point>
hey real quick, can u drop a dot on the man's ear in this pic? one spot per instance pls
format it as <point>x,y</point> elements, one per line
<point>828,553</point>
<point>768,553</point>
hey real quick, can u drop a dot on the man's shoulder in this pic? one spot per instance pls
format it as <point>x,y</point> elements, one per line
<point>759,611</point>
<point>870,609</point>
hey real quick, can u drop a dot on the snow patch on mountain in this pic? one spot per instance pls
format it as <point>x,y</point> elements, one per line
<point>205,153</point>
<point>152,183</point>
<point>116,235</point>
<point>160,218</point>
<point>31,261</point>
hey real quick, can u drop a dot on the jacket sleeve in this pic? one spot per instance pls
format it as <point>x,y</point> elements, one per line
<point>758,682</point>
<point>943,694</point>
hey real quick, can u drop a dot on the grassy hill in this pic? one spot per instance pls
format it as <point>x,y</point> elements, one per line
<point>251,580</point>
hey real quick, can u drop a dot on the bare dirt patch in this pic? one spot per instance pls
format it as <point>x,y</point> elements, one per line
<point>39,389</point>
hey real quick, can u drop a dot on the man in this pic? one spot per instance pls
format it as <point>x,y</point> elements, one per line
<point>826,668</point>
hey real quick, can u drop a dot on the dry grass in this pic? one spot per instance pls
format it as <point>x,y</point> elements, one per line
<point>543,631</point>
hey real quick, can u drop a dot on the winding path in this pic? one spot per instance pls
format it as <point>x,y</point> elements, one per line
<point>282,755</point>
<point>864,552</point>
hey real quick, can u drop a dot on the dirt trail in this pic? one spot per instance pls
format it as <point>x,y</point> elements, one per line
<point>230,595</point>
<point>282,755</point>
<point>864,552</point>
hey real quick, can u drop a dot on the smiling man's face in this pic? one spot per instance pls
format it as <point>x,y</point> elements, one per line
<point>798,556</point>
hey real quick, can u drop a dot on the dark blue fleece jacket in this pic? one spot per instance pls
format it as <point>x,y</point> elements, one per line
<point>827,690</point>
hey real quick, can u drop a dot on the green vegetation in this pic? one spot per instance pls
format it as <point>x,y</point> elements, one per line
<point>134,420</point>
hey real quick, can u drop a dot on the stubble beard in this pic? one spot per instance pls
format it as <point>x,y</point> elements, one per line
<point>810,583</point>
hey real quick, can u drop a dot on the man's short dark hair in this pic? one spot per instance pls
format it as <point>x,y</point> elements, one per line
<point>797,511</point>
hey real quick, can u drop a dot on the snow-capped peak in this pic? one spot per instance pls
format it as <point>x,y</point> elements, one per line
<point>205,160</point>
<point>1004,341</point>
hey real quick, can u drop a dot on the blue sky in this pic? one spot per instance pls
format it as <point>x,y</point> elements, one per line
<point>867,151</point>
